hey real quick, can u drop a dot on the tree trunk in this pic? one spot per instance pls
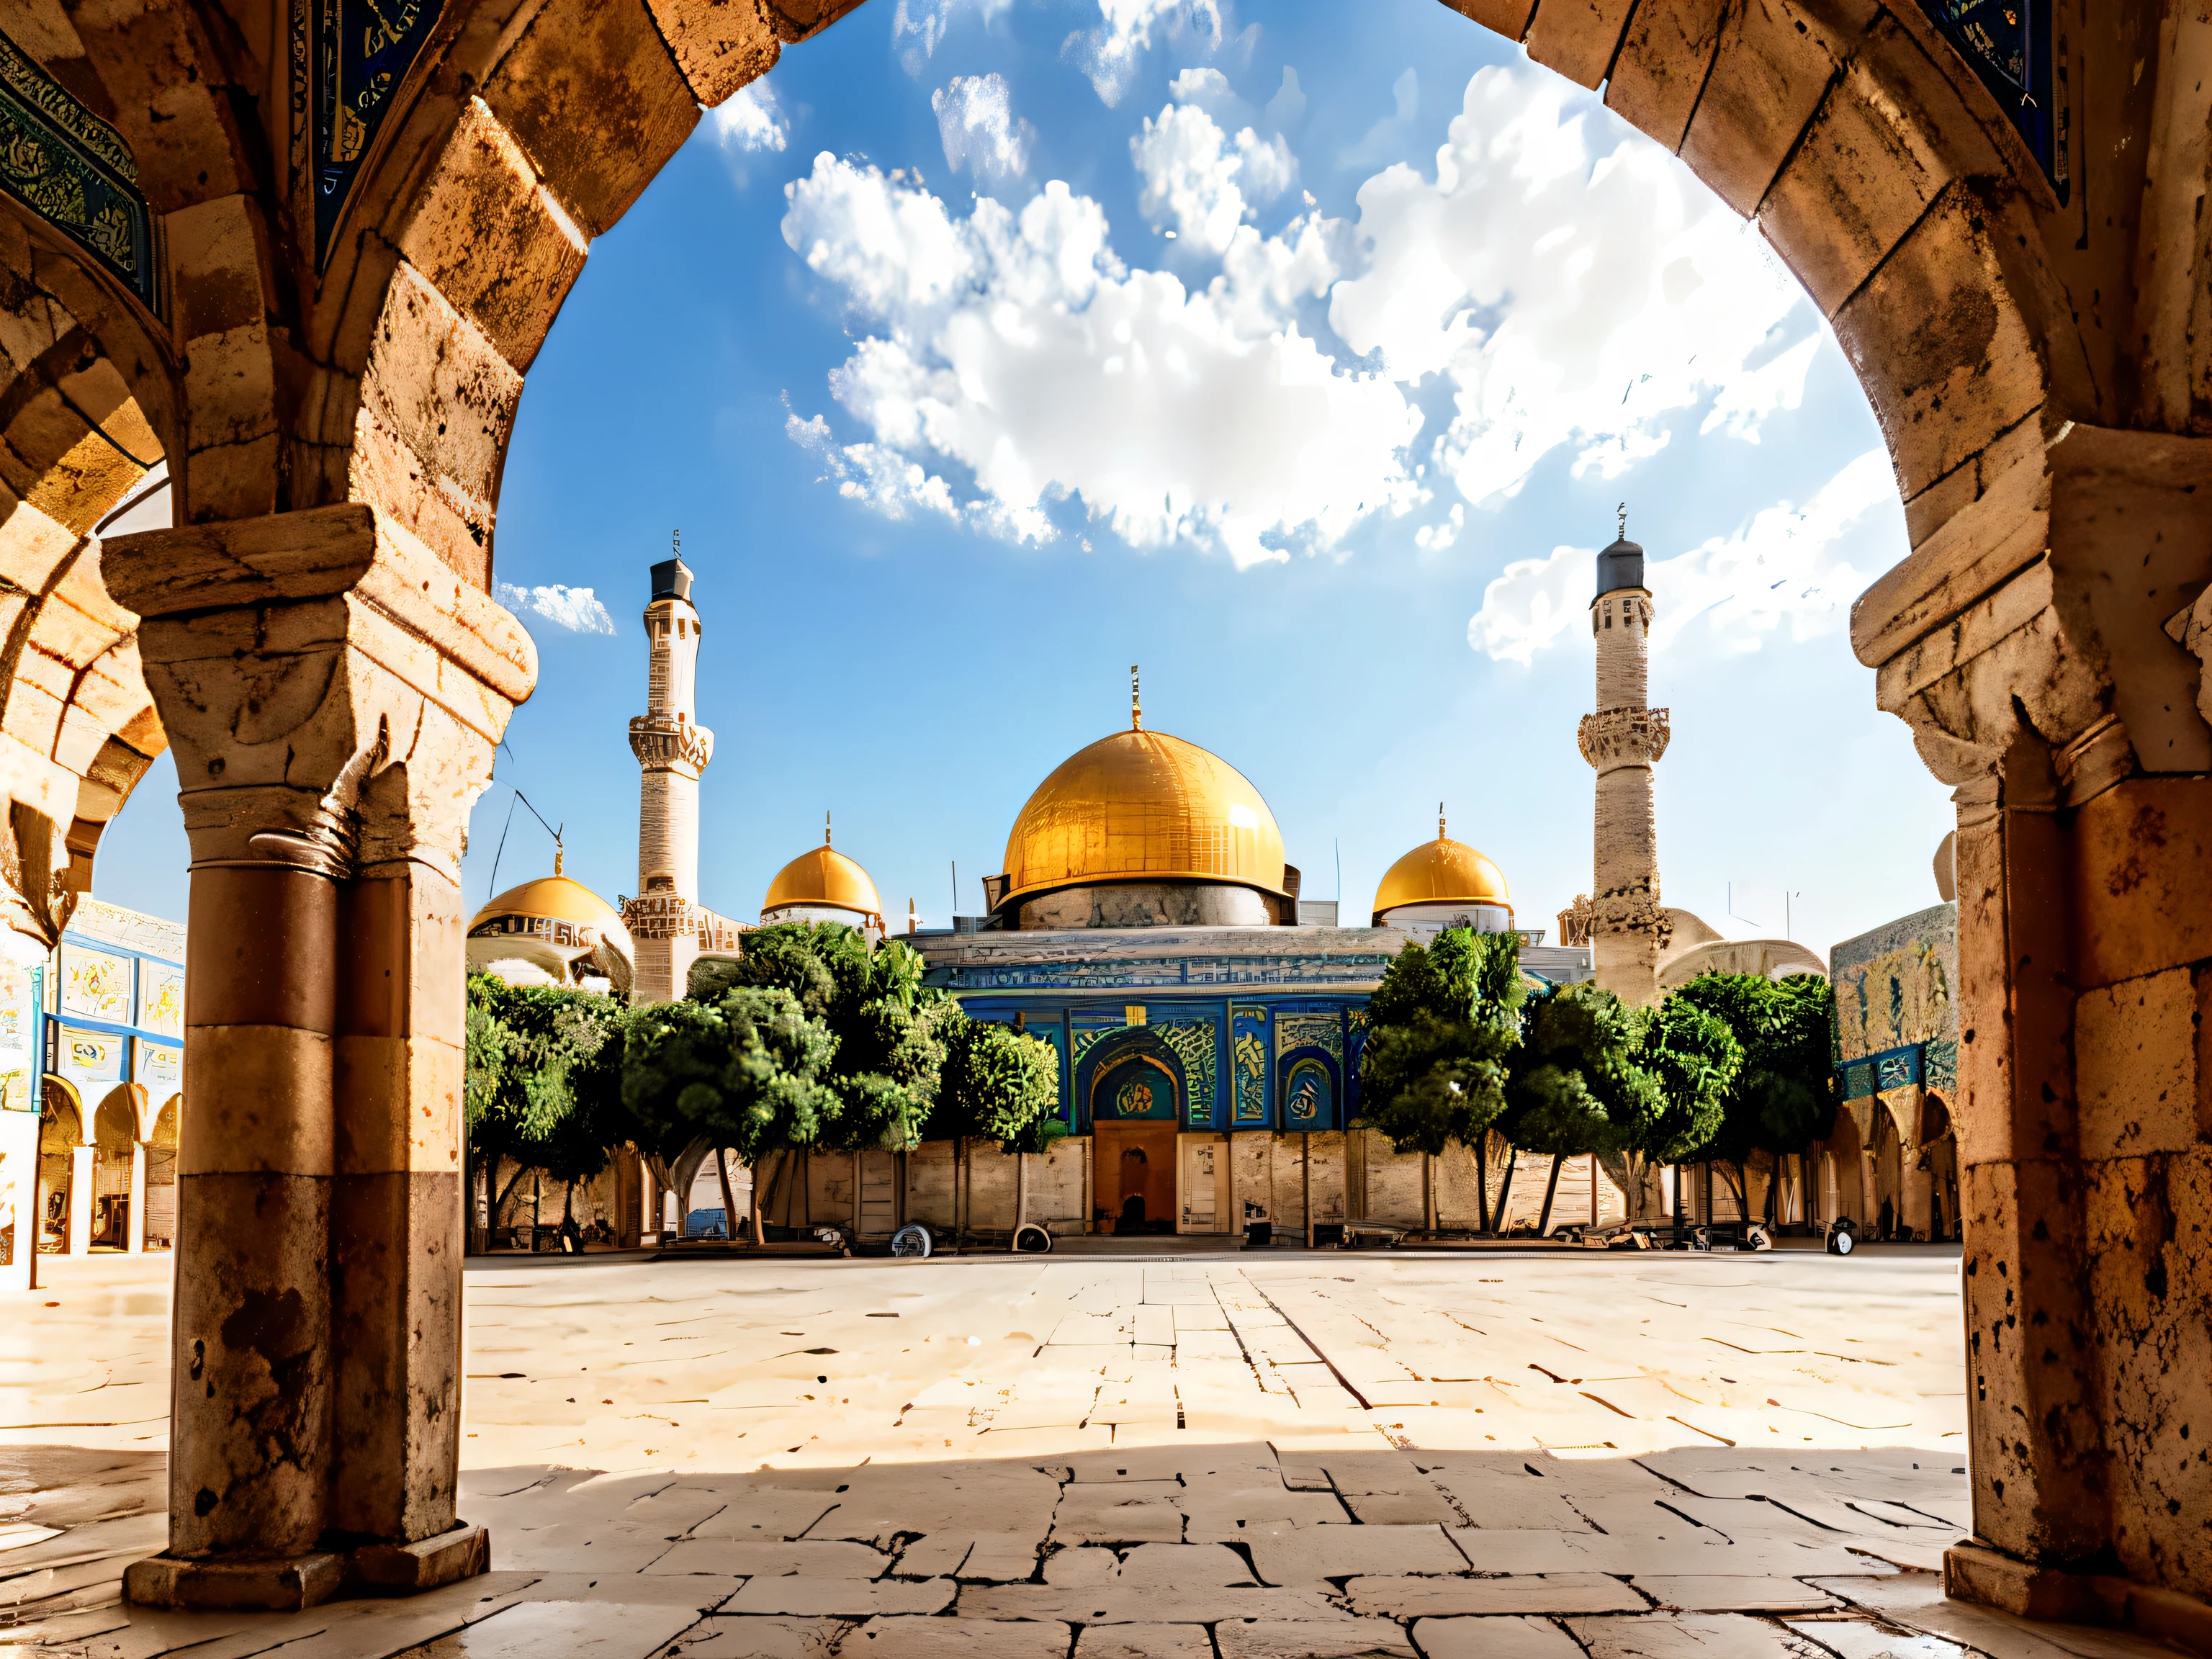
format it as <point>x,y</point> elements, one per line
<point>1550,1187</point>
<point>1482,1180</point>
<point>760,1233</point>
<point>856,1197</point>
<point>1428,1192</point>
<point>1021,1192</point>
<point>959,1173</point>
<point>507,1191</point>
<point>1504,1216</point>
<point>729,1198</point>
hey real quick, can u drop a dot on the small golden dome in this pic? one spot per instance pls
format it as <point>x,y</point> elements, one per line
<point>823,876</point>
<point>557,898</point>
<point>1143,806</point>
<point>1441,871</point>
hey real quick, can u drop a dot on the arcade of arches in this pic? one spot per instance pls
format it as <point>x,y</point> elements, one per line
<point>319,315</point>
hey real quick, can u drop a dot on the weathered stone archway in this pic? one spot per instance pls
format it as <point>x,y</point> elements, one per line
<point>329,358</point>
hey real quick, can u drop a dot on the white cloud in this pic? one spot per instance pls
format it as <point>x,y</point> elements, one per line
<point>919,27</point>
<point>1109,54</point>
<point>1568,299</point>
<point>977,124</point>
<point>1003,344</point>
<point>1531,603</point>
<point>576,609</point>
<point>750,119</point>
<point>1288,106</point>
<point>1784,569</point>
<point>1194,174</point>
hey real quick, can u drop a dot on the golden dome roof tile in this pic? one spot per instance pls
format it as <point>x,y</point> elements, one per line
<point>1143,806</point>
<point>823,876</point>
<point>1441,871</point>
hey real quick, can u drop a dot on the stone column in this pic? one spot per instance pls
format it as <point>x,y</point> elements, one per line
<point>84,1167</point>
<point>332,693</point>
<point>2043,644</point>
<point>136,1237</point>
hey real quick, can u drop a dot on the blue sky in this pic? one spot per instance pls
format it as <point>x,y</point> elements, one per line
<point>990,346</point>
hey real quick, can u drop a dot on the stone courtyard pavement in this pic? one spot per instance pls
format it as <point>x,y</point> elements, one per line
<point>1265,1455</point>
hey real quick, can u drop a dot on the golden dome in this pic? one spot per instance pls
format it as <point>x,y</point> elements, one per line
<point>823,876</point>
<point>557,898</point>
<point>1441,871</point>
<point>1143,806</point>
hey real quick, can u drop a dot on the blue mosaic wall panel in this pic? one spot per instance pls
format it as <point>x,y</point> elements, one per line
<point>2007,45</point>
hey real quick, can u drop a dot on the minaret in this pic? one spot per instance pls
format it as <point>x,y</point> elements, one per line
<point>1620,919</point>
<point>673,749</point>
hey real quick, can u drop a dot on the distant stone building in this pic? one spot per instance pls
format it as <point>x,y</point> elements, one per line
<point>91,1087</point>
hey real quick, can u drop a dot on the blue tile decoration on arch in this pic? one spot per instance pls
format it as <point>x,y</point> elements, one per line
<point>2006,43</point>
<point>362,52</point>
<point>1252,1048</point>
<point>1309,1096</point>
<point>75,172</point>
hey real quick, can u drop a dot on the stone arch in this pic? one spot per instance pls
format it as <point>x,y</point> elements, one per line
<point>1104,1070</point>
<point>1299,1069</point>
<point>61,1141</point>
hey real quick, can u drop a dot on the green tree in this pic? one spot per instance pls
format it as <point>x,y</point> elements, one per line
<point>746,1073</point>
<point>1779,1100</point>
<point>1442,1027</point>
<point>889,1027</point>
<point>1000,1085</point>
<point>540,1085</point>
<point>1574,1084</point>
<point>1693,1058</point>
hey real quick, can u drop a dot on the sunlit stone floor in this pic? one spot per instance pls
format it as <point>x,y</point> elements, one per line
<point>1241,1456</point>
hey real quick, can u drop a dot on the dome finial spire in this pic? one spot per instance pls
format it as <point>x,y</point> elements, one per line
<point>1623,510</point>
<point>825,829</point>
<point>1136,702</point>
<point>1440,820</point>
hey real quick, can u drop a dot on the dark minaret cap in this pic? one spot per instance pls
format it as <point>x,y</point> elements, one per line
<point>1619,566</point>
<point>671,579</point>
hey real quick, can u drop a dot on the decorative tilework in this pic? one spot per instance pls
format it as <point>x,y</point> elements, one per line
<point>1249,1022</point>
<point>1193,1042</point>
<point>74,171</point>
<point>1322,1031</point>
<point>363,50</point>
<point>2006,43</point>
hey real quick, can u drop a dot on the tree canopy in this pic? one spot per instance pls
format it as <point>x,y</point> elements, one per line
<point>541,1077</point>
<point>887,1029</point>
<point>745,1072</point>
<point>998,1084</point>
<point>1779,1098</point>
<point>1574,1084</point>
<point>1441,1027</point>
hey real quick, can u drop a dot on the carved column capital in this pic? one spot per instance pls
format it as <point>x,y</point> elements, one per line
<point>332,690</point>
<point>2054,606</point>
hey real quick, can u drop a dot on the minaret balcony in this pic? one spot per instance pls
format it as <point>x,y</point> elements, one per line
<point>660,742</point>
<point>1623,736</point>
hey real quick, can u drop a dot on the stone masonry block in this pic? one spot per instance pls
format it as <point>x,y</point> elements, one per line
<point>1773,68</point>
<point>489,237</point>
<point>2143,861</point>
<point>1864,174</point>
<point>1661,67</point>
<point>2041,1467</point>
<point>1578,38</point>
<point>2149,1235</point>
<point>2135,1048</point>
<point>1944,354</point>
<point>719,45</point>
<point>590,92</point>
